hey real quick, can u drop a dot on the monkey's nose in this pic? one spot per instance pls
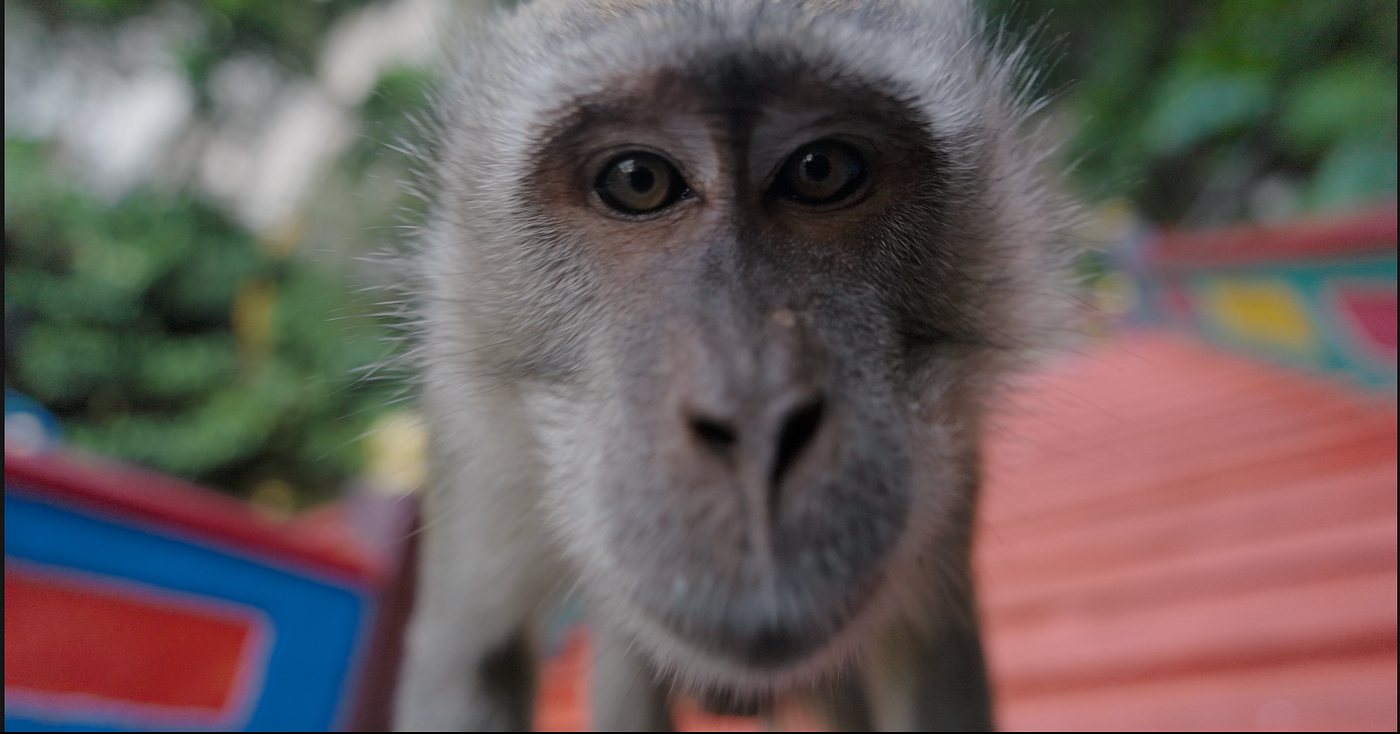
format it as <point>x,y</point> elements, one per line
<point>715,434</point>
<point>798,427</point>
<point>755,413</point>
<point>775,439</point>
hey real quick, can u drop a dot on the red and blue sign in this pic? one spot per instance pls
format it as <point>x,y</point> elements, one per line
<point>134,602</point>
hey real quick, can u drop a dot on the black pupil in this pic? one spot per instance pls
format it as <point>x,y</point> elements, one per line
<point>816,167</point>
<point>641,179</point>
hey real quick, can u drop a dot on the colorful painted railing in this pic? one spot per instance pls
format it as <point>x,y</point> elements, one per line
<point>1316,294</point>
<point>136,602</point>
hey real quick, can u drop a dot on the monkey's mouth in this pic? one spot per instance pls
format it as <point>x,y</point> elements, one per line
<point>747,629</point>
<point>768,646</point>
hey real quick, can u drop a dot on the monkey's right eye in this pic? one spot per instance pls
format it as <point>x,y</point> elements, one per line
<point>823,172</point>
<point>639,183</point>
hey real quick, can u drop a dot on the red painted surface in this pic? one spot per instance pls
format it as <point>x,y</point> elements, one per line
<point>124,647</point>
<point>1177,302</point>
<point>1171,538</point>
<point>1176,538</point>
<point>563,687</point>
<point>319,542</point>
<point>1364,232</point>
<point>1374,313</point>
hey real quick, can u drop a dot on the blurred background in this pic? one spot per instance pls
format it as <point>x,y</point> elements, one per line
<point>193,191</point>
<point>190,189</point>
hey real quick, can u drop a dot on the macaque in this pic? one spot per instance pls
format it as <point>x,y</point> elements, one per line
<point>710,304</point>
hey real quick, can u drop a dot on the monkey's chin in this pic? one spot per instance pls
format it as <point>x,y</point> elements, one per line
<point>772,643</point>
<point>749,652</point>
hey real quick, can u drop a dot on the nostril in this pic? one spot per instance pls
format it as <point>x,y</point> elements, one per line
<point>712,433</point>
<point>798,430</point>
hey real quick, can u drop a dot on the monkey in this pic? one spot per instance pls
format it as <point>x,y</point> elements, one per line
<point>710,304</point>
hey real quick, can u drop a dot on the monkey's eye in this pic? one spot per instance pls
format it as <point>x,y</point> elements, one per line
<point>638,183</point>
<point>821,173</point>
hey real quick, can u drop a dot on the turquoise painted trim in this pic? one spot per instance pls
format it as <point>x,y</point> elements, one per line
<point>1316,283</point>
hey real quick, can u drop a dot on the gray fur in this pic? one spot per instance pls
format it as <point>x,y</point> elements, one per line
<point>546,385</point>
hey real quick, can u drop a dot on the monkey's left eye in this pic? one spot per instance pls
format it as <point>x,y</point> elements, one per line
<point>639,183</point>
<point>823,172</point>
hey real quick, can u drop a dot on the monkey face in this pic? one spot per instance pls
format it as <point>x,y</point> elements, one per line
<point>752,298</point>
<point>778,317</point>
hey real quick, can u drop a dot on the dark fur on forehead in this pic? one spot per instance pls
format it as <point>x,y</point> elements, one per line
<point>737,86</point>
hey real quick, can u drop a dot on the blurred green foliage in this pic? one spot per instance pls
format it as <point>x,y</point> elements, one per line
<point>288,33</point>
<point>160,333</point>
<point>1212,111</point>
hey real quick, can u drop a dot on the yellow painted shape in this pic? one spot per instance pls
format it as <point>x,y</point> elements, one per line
<point>398,453</point>
<point>252,317</point>
<point>1264,311</point>
<point>274,498</point>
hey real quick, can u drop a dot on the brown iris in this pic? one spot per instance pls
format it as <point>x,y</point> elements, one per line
<point>823,172</point>
<point>639,183</point>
